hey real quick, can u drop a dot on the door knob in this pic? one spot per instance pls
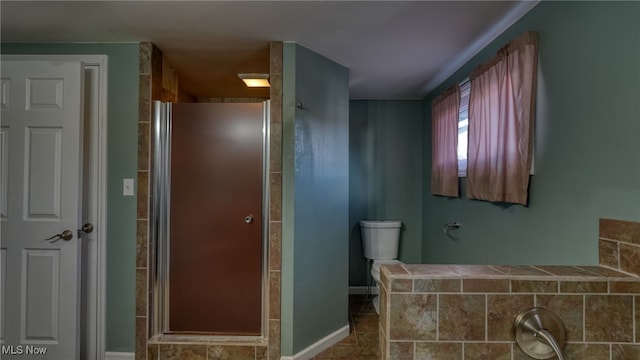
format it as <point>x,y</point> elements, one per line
<point>86,229</point>
<point>65,235</point>
<point>248,219</point>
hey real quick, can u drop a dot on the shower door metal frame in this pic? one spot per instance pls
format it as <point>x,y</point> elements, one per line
<point>160,226</point>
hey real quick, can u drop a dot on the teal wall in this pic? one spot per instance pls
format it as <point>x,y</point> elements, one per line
<point>315,192</point>
<point>122,153</point>
<point>587,147</point>
<point>385,175</point>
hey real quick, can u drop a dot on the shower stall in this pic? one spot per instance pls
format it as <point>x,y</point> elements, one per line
<point>209,225</point>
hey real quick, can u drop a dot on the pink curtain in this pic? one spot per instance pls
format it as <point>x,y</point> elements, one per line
<point>501,118</point>
<point>444,134</point>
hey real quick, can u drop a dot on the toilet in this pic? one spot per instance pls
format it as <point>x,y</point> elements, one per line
<point>380,240</point>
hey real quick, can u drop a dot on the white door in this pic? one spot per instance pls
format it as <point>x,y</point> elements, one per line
<point>40,142</point>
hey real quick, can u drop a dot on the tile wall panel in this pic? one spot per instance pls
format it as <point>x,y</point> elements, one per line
<point>459,312</point>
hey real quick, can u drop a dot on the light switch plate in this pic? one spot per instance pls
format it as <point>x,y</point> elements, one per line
<point>127,187</point>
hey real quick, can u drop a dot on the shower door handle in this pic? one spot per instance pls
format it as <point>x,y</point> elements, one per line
<point>248,219</point>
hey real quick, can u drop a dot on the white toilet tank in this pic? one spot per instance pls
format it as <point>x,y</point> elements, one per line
<point>380,239</point>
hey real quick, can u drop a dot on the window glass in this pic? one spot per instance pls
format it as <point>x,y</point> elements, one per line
<point>463,127</point>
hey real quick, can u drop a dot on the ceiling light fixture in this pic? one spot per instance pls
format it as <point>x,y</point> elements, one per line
<point>255,80</point>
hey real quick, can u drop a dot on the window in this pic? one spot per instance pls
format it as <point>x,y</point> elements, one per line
<point>463,127</point>
<point>498,167</point>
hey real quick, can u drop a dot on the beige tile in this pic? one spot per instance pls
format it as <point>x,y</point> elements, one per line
<point>141,338</point>
<point>630,258</point>
<point>275,147</point>
<point>413,316</point>
<point>487,351</point>
<point>401,285</point>
<point>152,351</point>
<point>141,243</point>
<point>385,280</point>
<point>438,350</point>
<point>396,269</point>
<point>518,354</point>
<point>588,352</point>
<point>220,352</point>
<point>608,318</point>
<point>461,317</point>
<point>366,323</point>
<point>275,56</point>
<point>183,352</point>
<point>533,286</point>
<point>475,270</point>
<point>262,353</point>
<point>583,287</point>
<point>368,345</point>
<point>519,270</point>
<point>384,310</point>
<point>625,231</point>
<point>274,294</point>
<point>438,285</point>
<point>274,339</point>
<point>432,270</point>
<point>141,292</point>
<point>399,350</point>
<point>569,308</point>
<point>565,270</point>
<point>501,310</point>
<point>624,287</point>
<point>275,245</point>
<point>338,352</point>
<point>605,272</point>
<point>143,195</point>
<point>275,212</point>
<point>275,95</point>
<point>624,351</point>
<point>485,285</point>
<point>145,58</point>
<point>144,98</point>
<point>383,342</point>
<point>143,146</point>
<point>608,253</point>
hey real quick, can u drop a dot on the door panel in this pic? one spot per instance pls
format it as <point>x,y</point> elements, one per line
<point>215,265</point>
<point>42,195</point>
<point>41,108</point>
<point>40,276</point>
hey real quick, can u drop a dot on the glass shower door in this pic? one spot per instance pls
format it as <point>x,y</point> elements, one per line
<point>214,253</point>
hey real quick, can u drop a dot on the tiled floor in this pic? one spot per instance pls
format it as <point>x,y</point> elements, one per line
<point>362,342</point>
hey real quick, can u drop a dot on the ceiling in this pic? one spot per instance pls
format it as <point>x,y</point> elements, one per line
<point>393,49</point>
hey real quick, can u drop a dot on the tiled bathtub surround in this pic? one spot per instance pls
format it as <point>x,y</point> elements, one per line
<point>620,245</point>
<point>466,312</point>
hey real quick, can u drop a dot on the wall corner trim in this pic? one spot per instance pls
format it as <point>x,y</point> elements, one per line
<point>319,346</point>
<point>119,356</point>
